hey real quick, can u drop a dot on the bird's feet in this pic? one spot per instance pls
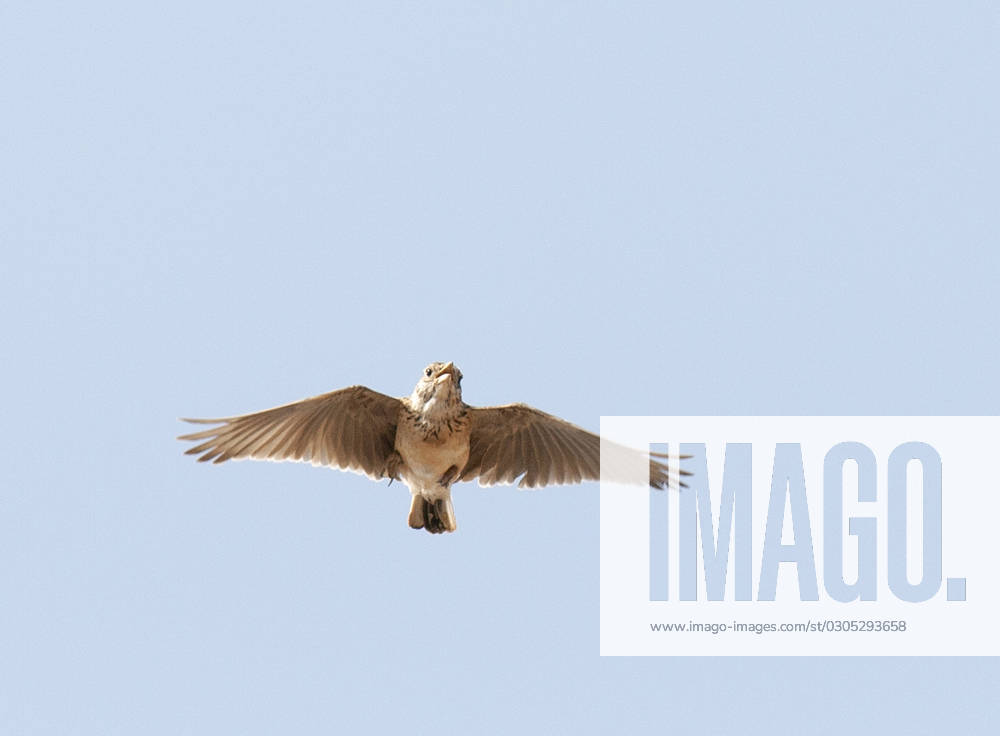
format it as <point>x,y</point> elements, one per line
<point>448,477</point>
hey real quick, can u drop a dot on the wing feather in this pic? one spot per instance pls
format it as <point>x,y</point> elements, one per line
<point>353,428</point>
<point>516,441</point>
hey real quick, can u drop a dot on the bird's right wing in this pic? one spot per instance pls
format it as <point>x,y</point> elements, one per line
<point>353,429</point>
<point>508,442</point>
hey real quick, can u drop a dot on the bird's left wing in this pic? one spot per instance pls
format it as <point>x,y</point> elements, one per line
<point>353,429</point>
<point>507,442</point>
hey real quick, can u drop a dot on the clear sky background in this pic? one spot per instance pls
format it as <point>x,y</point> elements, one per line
<point>603,208</point>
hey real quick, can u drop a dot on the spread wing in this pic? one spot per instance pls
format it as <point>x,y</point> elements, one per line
<point>353,429</point>
<point>507,442</point>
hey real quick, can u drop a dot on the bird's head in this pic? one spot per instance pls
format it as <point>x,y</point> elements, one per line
<point>439,390</point>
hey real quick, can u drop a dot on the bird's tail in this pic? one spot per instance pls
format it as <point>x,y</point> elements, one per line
<point>434,515</point>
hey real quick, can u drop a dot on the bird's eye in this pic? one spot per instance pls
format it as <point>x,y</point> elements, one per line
<point>428,372</point>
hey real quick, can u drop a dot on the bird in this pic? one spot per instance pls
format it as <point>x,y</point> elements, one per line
<point>429,440</point>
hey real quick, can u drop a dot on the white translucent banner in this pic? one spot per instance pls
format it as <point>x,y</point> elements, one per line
<point>801,536</point>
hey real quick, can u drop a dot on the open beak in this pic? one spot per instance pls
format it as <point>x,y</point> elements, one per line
<point>448,370</point>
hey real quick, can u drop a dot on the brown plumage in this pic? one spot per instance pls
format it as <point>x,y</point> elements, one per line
<point>429,440</point>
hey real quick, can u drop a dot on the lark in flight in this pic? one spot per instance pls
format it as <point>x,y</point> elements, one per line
<point>429,440</point>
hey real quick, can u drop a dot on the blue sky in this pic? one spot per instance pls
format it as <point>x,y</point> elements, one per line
<point>638,208</point>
